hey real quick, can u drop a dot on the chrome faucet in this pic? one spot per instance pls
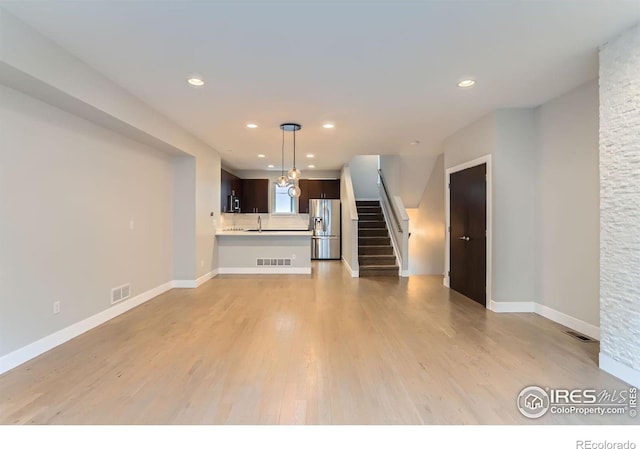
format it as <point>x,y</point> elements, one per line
<point>259,223</point>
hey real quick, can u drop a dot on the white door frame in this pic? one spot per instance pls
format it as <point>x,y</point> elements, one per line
<point>447,261</point>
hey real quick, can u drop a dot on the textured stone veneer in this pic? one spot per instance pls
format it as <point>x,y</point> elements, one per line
<point>620,199</point>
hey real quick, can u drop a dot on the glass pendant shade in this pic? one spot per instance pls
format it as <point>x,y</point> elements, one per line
<point>294,191</point>
<point>294,174</point>
<point>283,181</point>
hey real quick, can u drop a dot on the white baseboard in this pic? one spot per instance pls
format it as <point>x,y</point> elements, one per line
<point>32,350</point>
<point>354,273</point>
<point>368,199</point>
<point>566,320</point>
<point>206,277</point>
<point>554,315</point>
<point>270,270</point>
<point>512,307</point>
<point>189,283</point>
<point>445,281</point>
<point>620,370</point>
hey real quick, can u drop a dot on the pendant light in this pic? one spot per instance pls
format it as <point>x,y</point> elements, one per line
<point>283,181</point>
<point>294,191</point>
<point>294,174</point>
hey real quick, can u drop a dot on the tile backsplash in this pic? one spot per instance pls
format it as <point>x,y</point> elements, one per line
<point>269,221</point>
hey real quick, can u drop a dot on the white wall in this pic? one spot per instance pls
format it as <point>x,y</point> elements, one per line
<point>184,215</point>
<point>620,206</point>
<point>207,191</point>
<point>427,225</point>
<point>391,170</point>
<point>140,183</point>
<point>37,66</point>
<point>545,205</point>
<point>349,222</point>
<point>475,140</point>
<point>510,137</point>
<point>515,170</point>
<point>413,167</point>
<point>569,205</point>
<point>364,174</point>
<point>68,191</point>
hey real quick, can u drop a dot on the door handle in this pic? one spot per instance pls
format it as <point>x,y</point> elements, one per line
<point>466,238</point>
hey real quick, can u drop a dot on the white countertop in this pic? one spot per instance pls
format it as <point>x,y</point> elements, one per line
<point>266,233</point>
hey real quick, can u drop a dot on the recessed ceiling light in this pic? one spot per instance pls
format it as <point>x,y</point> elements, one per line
<point>466,83</point>
<point>328,125</point>
<point>310,156</point>
<point>251,125</point>
<point>414,142</point>
<point>270,166</point>
<point>261,155</point>
<point>196,81</point>
<point>311,166</point>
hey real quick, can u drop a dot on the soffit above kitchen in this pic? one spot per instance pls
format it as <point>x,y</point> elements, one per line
<point>384,73</point>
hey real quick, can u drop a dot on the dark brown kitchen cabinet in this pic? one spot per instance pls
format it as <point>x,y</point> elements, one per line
<point>317,189</point>
<point>255,196</point>
<point>229,183</point>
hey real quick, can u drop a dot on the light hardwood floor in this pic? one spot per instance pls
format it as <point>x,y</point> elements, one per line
<point>319,349</point>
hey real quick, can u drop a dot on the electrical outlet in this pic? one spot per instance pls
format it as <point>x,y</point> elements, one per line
<point>56,307</point>
<point>132,224</point>
<point>201,263</point>
<point>293,256</point>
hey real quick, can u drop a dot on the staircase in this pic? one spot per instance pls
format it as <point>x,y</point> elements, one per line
<point>375,252</point>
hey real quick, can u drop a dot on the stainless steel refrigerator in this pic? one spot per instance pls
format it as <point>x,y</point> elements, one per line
<point>324,221</point>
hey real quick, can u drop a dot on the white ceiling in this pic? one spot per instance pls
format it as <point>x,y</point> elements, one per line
<point>384,72</point>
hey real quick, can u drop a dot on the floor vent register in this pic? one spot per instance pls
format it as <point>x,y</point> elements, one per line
<point>273,262</point>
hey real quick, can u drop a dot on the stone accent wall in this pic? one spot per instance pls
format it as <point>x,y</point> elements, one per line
<point>620,199</point>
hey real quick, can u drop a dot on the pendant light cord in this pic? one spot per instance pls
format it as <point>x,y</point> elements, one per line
<point>294,148</point>
<point>282,166</point>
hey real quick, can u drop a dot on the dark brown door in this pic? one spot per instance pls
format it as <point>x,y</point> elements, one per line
<point>468,236</point>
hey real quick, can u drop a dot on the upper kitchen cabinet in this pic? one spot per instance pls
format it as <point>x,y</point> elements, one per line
<point>317,189</point>
<point>229,184</point>
<point>255,196</point>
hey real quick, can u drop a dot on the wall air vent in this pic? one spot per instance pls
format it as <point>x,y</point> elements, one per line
<point>273,262</point>
<point>120,293</point>
<point>580,337</point>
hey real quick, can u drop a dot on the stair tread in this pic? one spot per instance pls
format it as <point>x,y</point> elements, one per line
<point>377,256</point>
<point>383,266</point>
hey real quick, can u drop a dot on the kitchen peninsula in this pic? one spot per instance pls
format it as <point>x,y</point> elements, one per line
<point>283,246</point>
